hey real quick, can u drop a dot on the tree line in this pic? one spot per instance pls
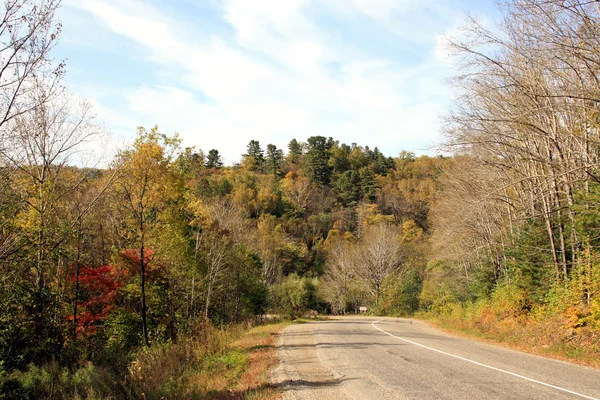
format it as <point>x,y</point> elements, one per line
<point>517,218</point>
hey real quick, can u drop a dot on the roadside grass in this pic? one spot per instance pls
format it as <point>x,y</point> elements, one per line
<point>231,363</point>
<point>258,345</point>
<point>550,336</point>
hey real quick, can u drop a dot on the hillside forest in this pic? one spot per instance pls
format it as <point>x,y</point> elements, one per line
<point>106,265</point>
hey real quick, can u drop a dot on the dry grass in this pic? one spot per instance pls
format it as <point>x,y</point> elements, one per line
<point>552,336</point>
<point>259,346</point>
<point>231,363</point>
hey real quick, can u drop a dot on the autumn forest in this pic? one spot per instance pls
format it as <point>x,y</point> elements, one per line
<point>109,267</point>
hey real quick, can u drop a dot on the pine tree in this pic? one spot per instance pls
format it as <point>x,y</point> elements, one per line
<point>274,160</point>
<point>214,159</point>
<point>368,185</point>
<point>317,159</point>
<point>295,150</point>
<point>348,188</point>
<point>254,156</point>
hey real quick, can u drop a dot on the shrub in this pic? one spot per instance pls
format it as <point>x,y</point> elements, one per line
<point>53,382</point>
<point>295,295</point>
<point>401,295</point>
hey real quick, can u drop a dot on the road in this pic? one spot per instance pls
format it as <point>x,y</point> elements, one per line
<point>392,358</point>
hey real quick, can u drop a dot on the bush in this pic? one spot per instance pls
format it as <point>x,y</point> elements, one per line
<point>401,295</point>
<point>183,369</point>
<point>31,327</point>
<point>53,382</point>
<point>295,296</point>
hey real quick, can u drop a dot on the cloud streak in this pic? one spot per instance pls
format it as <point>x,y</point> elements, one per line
<point>278,71</point>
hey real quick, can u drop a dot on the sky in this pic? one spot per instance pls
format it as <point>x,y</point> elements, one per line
<point>224,72</point>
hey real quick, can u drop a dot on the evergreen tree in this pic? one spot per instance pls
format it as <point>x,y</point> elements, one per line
<point>214,159</point>
<point>368,185</point>
<point>295,150</point>
<point>255,156</point>
<point>381,163</point>
<point>317,159</point>
<point>348,188</point>
<point>274,160</point>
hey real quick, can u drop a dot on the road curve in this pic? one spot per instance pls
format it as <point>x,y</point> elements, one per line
<point>393,358</point>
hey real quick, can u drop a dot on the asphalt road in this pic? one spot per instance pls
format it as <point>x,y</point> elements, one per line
<point>391,358</point>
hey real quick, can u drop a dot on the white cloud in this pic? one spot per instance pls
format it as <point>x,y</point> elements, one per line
<point>383,9</point>
<point>269,81</point>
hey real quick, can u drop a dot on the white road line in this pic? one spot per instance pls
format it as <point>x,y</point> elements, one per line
<point>484,365</point>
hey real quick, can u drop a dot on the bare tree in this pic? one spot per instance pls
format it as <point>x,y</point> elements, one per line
<point>339,272</point>
<point>28,31</point>
<point>378,255</point>
<point>527,118</point>
<point>214,249</point>
<point>48,151</point>
<point>219,224</point>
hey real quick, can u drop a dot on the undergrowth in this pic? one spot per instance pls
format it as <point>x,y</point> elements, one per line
<point>561,327</point>
<point>211,363</point>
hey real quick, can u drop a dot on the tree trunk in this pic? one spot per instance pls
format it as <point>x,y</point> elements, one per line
<point>143,280</point>
<point>208,295</point>
<point>75,298</point>
<point>143,287</point>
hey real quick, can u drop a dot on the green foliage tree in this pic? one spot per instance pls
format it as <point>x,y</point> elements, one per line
<point>295,151</point>
<point>367,183</point>
<point>317,160</point>
<point>339,159</point>
<point>213,160</point>
<point>145,187</point>
<point>401,294</point>
<point>295,295</point>
<point>190,162</point>
<point>348,187</point>
<point>274,160</point>
<point>254,157</point>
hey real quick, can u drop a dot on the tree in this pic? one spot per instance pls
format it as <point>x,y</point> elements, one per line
<point>254,157</point>
<point>274,160</point>
<point>213,160</point>
<point>339,271</point>
<point>526,127</point>
<point>381,163</point>
<point>317,160</point>
<point>295,151</point>
<point>379,255</point>
<point>214,248</point>
<point>190,162</point>
<point>299,191</point>
<point>50,208</point>
<point>28,31</point>
<point>100,286</point>
<point>339,159</point>
<point>277,250</point>
<point>367,183</point>
<point>145,185</point>
<point>295,295</point>
<point>347,187</point>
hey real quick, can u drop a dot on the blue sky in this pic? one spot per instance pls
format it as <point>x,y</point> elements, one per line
<point>223,72</point>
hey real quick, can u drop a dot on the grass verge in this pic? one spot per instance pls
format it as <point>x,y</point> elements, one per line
<point>253,382</point>
<point>229,364</point>
<point>549,337</point>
